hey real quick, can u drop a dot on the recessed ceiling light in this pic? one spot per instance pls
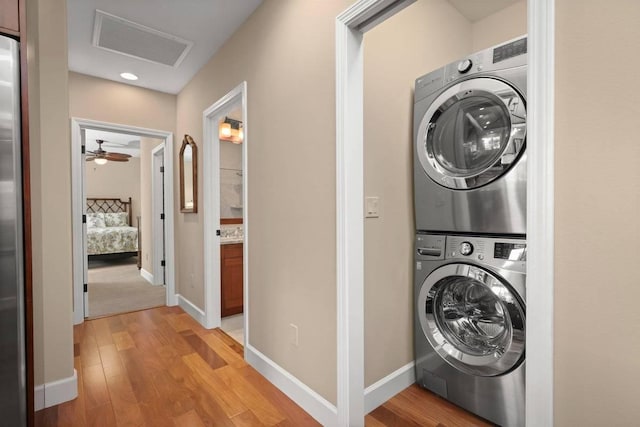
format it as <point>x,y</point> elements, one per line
<point>129,76</point>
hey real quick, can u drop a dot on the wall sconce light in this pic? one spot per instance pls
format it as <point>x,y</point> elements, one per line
<point>231,130</point>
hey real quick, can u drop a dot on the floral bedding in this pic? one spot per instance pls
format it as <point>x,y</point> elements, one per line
<point>105,239</point>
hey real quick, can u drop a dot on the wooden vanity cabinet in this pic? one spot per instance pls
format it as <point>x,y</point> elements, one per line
<point>231,279</point>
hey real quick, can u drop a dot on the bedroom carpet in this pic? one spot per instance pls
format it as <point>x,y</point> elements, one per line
<point>117,287</point>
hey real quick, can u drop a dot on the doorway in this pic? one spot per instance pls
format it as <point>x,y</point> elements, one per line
<point>350,28</point>
<point>145,271</point>
<point>225,220</point>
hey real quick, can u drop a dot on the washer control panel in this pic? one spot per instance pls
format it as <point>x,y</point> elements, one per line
<point>499,252</point>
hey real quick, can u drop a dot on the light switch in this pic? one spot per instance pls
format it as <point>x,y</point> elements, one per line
<point>372,207</point>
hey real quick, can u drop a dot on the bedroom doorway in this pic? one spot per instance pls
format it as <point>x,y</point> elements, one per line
<point>121,247</point>
<point>123,251</point>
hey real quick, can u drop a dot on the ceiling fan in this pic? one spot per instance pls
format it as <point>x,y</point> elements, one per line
<point>101,156</point>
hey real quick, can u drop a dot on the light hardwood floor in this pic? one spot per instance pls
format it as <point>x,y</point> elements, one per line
<point>160,368</point>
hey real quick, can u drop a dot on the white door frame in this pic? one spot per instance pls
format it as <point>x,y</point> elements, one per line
<point>350,27</point>
<point>157,202</point>
<point>78,127</point>
<point>211,167</point>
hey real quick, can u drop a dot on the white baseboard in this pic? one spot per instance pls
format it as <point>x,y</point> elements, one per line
<point>381,391</point>
<point>191,309</point>
<point>56,392</point>
<point>146,275</point>
<point>317,406</point>
<point>38,397</point>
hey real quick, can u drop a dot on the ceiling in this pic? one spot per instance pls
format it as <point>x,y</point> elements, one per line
<point>113,142</point>
<point>474,10</point>
<point>206,23</point>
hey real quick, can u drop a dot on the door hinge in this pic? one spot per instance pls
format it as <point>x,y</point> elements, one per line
<point>84,219</point>
<point>161,169</point>
<point>217,232</point>
<point>82,149</point>
<point>85,288</point>
<point>162,263</point>
<point>161,216</point>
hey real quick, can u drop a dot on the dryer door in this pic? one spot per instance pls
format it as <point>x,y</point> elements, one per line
<point>472,319</point>
<point>472,133</point>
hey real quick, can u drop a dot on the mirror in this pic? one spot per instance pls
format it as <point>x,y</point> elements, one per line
<point>188,176</point>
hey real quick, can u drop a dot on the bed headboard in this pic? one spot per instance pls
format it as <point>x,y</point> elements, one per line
<point>107,205</point>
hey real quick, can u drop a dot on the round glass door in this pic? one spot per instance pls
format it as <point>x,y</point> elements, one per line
<point>472,320</point>
<point>472,133</point>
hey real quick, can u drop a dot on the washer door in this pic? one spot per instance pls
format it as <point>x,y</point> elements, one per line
<point>472,319</point>
<point>472,133</point>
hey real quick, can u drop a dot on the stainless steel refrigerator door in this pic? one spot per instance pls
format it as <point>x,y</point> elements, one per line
<point>12,336</point>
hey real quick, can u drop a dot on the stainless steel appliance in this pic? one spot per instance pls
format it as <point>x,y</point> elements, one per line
<point>469,137</point>
<point>470,323</point>
<point>12,328</point>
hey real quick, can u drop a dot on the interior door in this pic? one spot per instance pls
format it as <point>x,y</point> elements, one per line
<point>472,319</point>
<point>85,256</point>
<point>472,133</point>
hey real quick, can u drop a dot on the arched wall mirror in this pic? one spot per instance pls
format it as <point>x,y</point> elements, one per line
<point>188,176</point>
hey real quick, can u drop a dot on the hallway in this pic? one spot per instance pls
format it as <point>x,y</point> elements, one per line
<point>159,368</point>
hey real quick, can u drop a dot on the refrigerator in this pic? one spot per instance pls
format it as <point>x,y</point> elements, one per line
<point>13,395</point>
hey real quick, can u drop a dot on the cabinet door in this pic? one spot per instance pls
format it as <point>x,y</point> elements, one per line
<point>9,17</point>
<point>231,275</point>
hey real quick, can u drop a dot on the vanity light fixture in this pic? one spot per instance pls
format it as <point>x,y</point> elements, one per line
<point>128,76</point>
<point>231,130</point>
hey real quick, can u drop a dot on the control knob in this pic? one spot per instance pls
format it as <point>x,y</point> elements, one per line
<point>464,66</point>
<point>466,248</point>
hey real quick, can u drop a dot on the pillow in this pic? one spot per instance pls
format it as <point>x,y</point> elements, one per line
<point>95,219</point>
<point>116,219</point>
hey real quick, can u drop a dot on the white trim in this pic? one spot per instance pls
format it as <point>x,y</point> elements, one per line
<point>349,198</point>
<point>56,392</point>
<point>315,405</point>
<point>349,193</point>
<point>540,213</point>
<point>38,397</point>
<point>211,211</point>
<point>78,126</point>
<point>157,154</point>
<point>191,309</point>
<point>146,275</point>
<point>382,390</point>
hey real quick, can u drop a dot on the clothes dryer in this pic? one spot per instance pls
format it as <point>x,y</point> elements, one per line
<point>470,323</point>
<point>469,143</point>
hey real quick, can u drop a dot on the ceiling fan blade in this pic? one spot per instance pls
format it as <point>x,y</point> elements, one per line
<point>115,159</point>
<point>90,158</point>
<point>117,155</point>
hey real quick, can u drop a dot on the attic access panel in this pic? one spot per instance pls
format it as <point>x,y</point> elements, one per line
<point>129,38</point>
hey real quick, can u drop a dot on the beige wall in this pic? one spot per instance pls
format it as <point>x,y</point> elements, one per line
<point>113,102</point>
<point>499,27</point>
<point>51,190</point>
<point>285,51</point>
<point>146,208</point>
<point>421,38</point>
<point>116,179</point>
<point>597,200</point>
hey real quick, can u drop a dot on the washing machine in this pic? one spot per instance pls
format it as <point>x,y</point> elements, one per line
<point>470,323</point>
<point>469,143</point>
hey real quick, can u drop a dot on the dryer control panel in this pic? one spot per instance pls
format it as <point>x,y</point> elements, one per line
<point>499,252</point>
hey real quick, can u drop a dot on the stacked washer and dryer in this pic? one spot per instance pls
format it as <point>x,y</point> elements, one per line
<point>470,255</point>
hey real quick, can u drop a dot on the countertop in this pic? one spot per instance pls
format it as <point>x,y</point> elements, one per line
<point>230,241</point>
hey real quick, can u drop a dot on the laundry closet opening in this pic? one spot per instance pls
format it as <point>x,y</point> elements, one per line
<point>421,38</point>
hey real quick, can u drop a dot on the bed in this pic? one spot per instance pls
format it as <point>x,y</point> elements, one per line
<point>110,232</point>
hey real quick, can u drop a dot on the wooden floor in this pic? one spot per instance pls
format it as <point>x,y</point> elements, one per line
<point>416,406</point>
<point>160,368</point>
